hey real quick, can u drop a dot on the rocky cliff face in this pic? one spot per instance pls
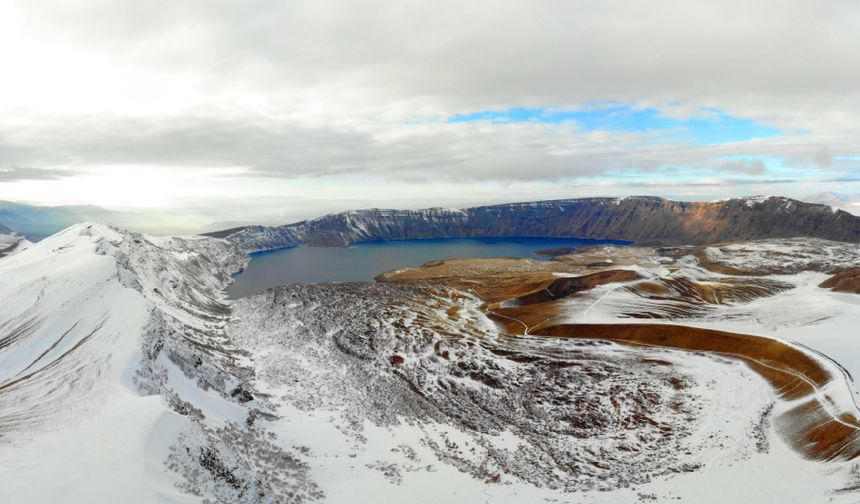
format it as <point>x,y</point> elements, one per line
<point>641,219</point>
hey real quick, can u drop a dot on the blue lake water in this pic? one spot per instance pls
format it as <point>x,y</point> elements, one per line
<point>364,261</point>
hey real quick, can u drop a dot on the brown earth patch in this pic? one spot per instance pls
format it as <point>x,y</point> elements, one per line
<point>847,280</point>
<point>494,279</point>
<point>501,279</point>
<point>565,286</point>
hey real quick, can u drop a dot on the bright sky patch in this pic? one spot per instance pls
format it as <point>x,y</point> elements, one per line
<point>711,126</point>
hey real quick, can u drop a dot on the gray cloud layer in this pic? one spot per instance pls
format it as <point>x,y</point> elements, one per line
<point>26,173</point>
<point>324,87</point>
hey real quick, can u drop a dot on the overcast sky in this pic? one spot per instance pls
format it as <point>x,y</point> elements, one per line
<point>211,112</point>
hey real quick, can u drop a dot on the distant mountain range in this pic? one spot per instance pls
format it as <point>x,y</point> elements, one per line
<point>848,202</point>
<point>641,219</point>
<point>37,222</point>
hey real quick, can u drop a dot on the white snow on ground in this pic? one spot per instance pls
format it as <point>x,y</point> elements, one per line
<point>823,323</point>
<point>124,377</point>
<point>350,472</point>
<point>76,430</point>
<point>788,255</point>
<point>357,466</point>
<point>824,320</point>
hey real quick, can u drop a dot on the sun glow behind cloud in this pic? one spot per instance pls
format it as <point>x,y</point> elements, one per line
<point>134,187</point>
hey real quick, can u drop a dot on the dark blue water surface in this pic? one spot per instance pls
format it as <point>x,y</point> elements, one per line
<point>363,261</point>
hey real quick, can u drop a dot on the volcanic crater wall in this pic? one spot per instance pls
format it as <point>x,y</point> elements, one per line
<point>641,219</point>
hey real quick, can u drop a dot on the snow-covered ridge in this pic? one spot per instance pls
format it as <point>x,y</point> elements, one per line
<point>107,334</point>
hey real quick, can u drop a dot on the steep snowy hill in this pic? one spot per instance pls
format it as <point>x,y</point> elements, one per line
<point>643,219</point>
<point>114,363</point>
<point>11,241</point>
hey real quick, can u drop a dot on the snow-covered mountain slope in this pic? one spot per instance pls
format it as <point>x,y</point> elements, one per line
<point>117,382</point>
<point>11,242</point>
<point>643,219</point>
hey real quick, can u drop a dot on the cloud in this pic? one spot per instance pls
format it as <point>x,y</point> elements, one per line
<point>27,173</point>
<point>262,146</point>
<point>329,89</point>
<point>484,55</point>
<point>748,166</point>
<point>823,157</point>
